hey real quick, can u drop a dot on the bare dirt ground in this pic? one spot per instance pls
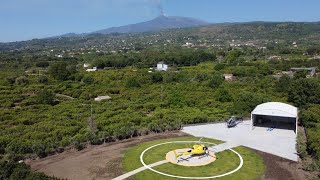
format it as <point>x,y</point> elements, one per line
<point>278,168</point>
<point>104,161</point>
<point>94,162</point>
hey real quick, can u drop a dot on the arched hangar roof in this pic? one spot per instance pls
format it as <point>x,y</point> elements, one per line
<point>276,109</point>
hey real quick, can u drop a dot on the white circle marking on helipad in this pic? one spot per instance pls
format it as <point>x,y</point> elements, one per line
<point>187,177</point>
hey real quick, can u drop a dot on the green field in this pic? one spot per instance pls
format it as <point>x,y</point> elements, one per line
<point>252,168</point>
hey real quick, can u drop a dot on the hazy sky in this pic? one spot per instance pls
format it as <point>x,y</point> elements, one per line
<point>27,19</point>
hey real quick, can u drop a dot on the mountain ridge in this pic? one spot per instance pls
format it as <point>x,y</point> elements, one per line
<point>157,24</point>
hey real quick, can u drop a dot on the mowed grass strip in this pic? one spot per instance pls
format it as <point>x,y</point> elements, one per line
<point>131,159</point>
<point>253,166</point>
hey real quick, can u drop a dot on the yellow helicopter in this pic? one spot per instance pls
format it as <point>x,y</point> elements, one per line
<point>199,150</point>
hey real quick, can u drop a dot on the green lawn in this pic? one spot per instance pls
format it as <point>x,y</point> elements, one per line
<point>252,168</point>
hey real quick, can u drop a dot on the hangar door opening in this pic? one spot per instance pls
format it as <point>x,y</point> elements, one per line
<point>275,115</point>
<point>288,123</point>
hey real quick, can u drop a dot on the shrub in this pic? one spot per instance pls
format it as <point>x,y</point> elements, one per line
<point>78,77</point>
<point>304,91</point>
<point>13,170</point>
<point>310,118</point>
<point>43,79</point>
<point>219,67</point>
<point>11,80</point>
<point>301,145</point>
<point>223,95</point>
<point>42,64</point>
<point>22,80</point>
<point>300,74</point>
<point>61,71</point>
<point>283,84</point>
<point>216,81</point>
<point>132,82</point>
<point>176,99</point>
<point>202,77</point>
<point>246,102</point>
<point>46,97</point>
<point>156,77</point>
<point>78,141</point>
<point>88,80</point>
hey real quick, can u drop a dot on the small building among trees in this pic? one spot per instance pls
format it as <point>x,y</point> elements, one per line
<point>161,66</point>
<point>92,70</point>
<point>101,98</point>
<point>311,71</point>
<point>228,77</point>
<point>86,65</point>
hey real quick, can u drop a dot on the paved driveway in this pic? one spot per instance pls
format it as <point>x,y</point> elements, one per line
<point>277,142</point>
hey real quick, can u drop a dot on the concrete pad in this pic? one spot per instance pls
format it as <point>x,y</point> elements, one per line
<point>278,142</point>
<point>223,146</point>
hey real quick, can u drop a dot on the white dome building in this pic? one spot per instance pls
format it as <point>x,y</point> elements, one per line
<point>275,115</point>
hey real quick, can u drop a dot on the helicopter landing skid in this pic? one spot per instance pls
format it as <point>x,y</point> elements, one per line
<point>184,159</point>
<point>206,155</point>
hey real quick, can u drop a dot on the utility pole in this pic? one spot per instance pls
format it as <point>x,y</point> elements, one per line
<point>91,110</point>
<point>265,60</point>
<point>161,92</point>
<point>91,120</point>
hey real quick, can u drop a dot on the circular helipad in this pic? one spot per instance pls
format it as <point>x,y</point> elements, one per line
<point>175,157</point>
<point>189,177</point>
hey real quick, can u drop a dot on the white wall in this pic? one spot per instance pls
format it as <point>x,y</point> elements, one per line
<point>162,67</point>
<point>165,67</point>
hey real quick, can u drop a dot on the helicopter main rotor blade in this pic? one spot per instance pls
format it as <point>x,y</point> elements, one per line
<point>200,139</point>
<point>212,150</point>
<point>210,155</point>
<point>185,159</point>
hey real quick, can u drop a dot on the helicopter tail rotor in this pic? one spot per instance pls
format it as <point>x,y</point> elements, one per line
<point>200,139</point>
<point>212,150</point>
<point>175,154</point>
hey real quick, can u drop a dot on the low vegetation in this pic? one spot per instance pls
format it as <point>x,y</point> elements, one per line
<point>310,150</point>
<point>12,170</point>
